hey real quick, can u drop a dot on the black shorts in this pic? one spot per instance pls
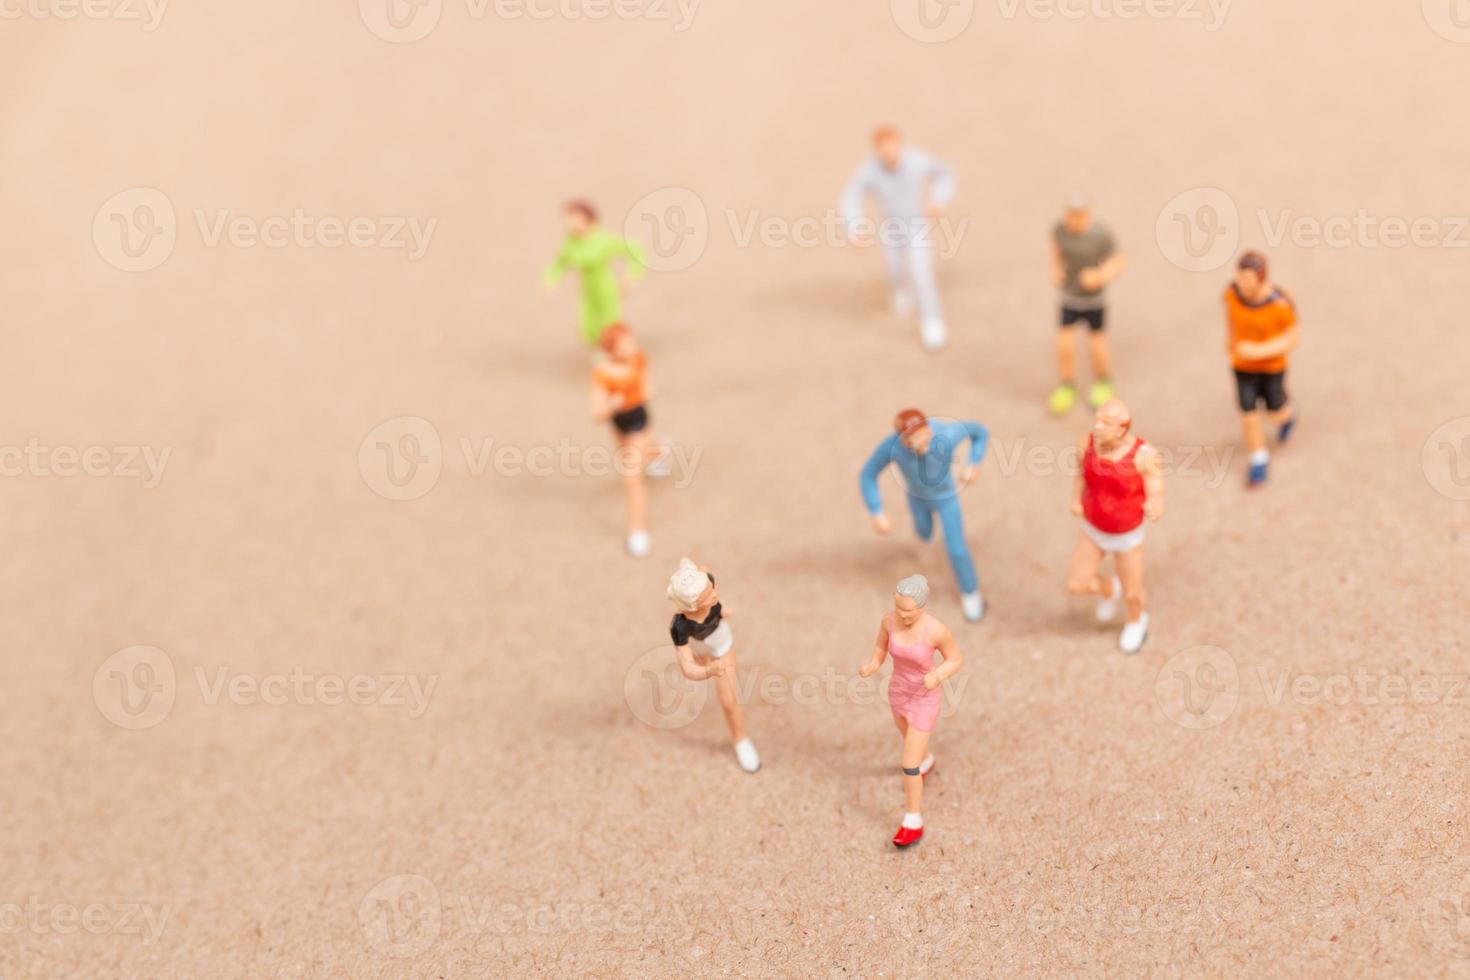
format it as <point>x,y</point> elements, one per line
<point>1094,318</point>
<point>631,421</point>
<point>1254,387</point>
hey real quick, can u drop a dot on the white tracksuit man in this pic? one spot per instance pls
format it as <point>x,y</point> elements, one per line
<point>909,242</point>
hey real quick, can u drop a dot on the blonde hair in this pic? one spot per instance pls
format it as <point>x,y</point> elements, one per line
<point>686,585</point>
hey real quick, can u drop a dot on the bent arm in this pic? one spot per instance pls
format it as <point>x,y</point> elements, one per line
<point>853,196</point>
<point>941,182</point>
<point>979,437</point>
<point>688,667</point>
<point>634,258</point>
<point>868,479</point>
<point>954,659</point>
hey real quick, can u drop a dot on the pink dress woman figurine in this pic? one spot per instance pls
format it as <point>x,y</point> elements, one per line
<point>911,636</point>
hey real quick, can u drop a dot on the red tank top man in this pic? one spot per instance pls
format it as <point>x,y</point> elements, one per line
<point>1120,485</point>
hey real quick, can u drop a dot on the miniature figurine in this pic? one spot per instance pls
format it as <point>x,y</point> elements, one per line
<point>591,250</point>
<point>911,188</point>
<point>1263,331</point>
<point>911,636</point>
<point>619,395</point>
<point>1084,259</point>
<point>1120,483</point>
<point>701,622</point>
<point>924,450</point>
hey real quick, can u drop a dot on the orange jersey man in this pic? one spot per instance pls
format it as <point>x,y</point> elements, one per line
<point>1262,332</point>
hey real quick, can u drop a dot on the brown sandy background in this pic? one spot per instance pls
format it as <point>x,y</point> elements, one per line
<point>1177,813</point>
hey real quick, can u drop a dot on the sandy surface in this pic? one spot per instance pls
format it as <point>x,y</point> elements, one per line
<point>1276,785</point>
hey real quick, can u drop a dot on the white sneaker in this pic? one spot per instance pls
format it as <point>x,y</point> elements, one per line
<point>903,301</point>
<point>974,606</point>
<point>747,756</point>
<point>933,334</point>
<point>1108,608</point>
<point>639,544</point>
<point>926,765</point>
<point>1134,634</point>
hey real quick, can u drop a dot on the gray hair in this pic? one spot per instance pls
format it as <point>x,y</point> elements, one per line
<point>915,587</point>
<point>1078,201</point>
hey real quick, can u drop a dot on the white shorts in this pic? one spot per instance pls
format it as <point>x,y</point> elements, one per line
<point>1113,543</point>
<point>717,644</point>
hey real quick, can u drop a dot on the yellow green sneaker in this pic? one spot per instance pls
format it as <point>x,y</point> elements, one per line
<point>1100,393</point>
<point>1062,398</point>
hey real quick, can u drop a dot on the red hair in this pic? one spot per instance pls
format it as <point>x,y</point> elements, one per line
<point>909,420</point>
<point>884,133</point>
<point>582,207</point>
<point>610,337</point>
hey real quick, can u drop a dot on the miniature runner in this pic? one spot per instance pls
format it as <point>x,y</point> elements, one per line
<point>1119,484</point>
<point>700,624</point>
<point>1084,259</point>
<point>923,450</point>
<point>1263,332</point>
<point>911,636</point>
<point>911,187</point>
<point>619,396</point>
<point>591,251</point>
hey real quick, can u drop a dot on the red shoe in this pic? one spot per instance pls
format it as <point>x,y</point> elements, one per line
<point>905,836</point>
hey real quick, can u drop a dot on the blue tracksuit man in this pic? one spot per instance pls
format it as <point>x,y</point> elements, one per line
<point>931,488</point>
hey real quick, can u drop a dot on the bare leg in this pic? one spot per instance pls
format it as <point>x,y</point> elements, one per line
<point>1282,415</point>
<point>1130,570</point>
<point>1102,361</point>
<point>915,748</point>
<point>1067,353</point>
<point>1082,575</point>
<point>632,452</point>
<point>727,687</point>
<point>1255,432</point>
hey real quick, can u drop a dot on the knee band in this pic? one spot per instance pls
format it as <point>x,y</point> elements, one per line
<point>911,772</point>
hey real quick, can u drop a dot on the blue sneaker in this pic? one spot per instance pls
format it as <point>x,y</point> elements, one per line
<point>1258,475</point>
<point>1284,433</point>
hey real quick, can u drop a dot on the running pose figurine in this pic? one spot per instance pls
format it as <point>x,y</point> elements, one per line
<point>1119,484</point>
<point>700,622</point>
<point>1084,259</point>
<point>924,450</point>
<point>1263,331</point>
<point>911,187</point>
<point>911,636</point>
<point>591,251</point>
<point>619,396</point>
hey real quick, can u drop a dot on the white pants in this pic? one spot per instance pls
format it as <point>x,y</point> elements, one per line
<point>1111,543</point>
<point>911,264</point>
